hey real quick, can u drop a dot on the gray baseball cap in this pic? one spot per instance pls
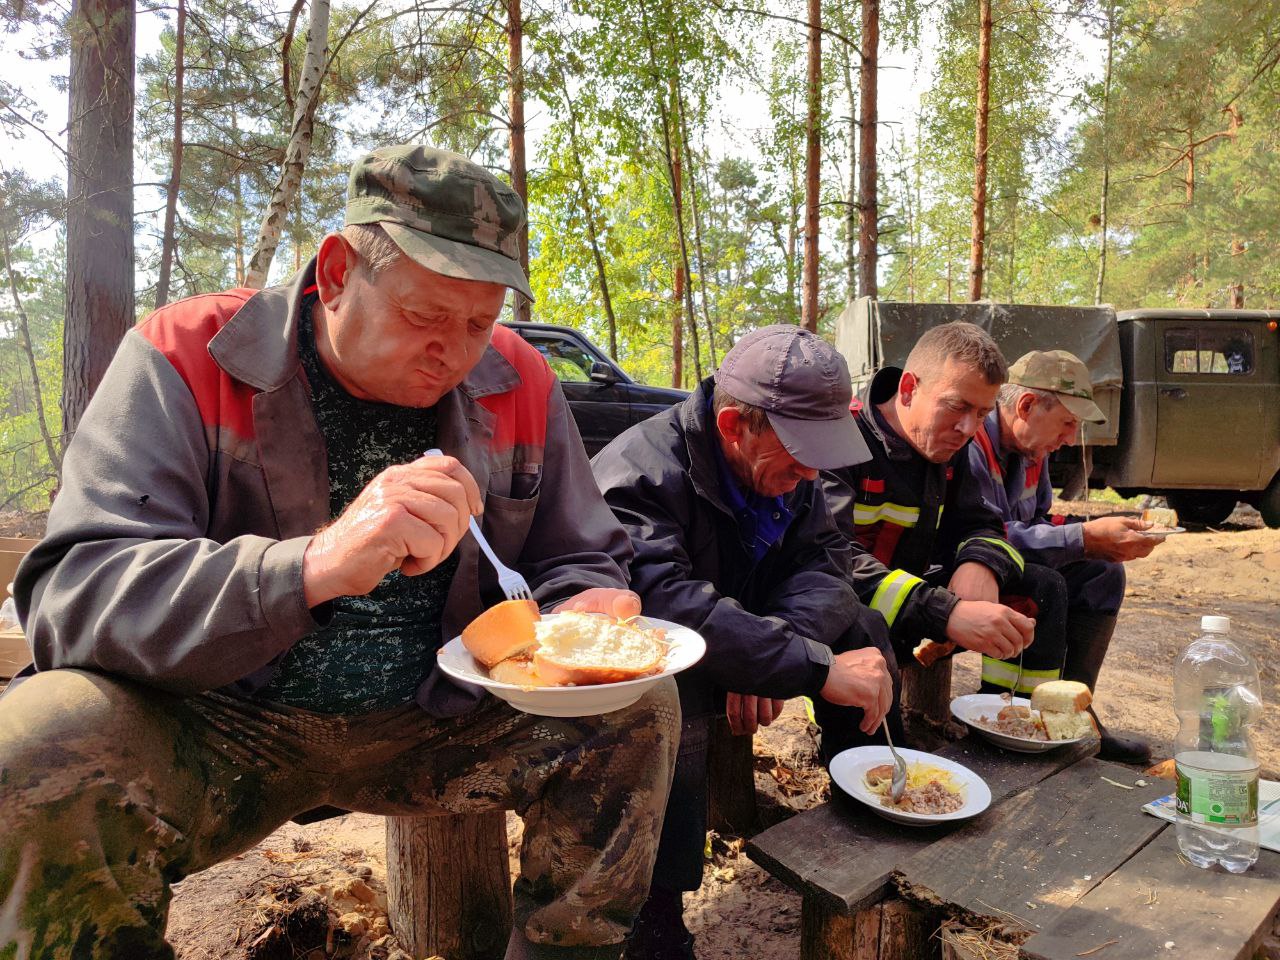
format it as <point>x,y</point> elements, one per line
<point>802,383</point>
<point>445,212</point>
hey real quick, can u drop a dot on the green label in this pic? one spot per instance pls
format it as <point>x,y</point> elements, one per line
<point>1226,798</point>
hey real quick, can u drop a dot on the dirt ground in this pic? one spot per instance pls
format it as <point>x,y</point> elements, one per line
<point>740,911</point>
<point>319,890</point>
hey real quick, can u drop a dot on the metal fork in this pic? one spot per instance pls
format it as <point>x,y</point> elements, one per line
<point>1018,680</point>
<point>514,586</point>
<point>898,786</point>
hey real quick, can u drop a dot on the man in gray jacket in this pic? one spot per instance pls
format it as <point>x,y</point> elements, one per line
<point>209,665</point>
<point>733,538</point>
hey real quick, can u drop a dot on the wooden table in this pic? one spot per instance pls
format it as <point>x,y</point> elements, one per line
<point>1062,863</point>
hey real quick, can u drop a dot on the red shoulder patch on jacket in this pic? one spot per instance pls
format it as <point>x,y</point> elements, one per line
<point>951,473</point>
<point>182,331</point>
<point>855,405</point>
<point>873,485</point>
<point>522,411</point>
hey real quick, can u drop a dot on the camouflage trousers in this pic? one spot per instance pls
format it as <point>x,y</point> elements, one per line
<point>111,791</point>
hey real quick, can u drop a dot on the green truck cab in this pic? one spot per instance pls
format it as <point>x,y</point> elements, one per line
<point>1192,396</point>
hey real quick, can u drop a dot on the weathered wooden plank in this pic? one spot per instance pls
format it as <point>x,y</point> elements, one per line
<point>843,853</point>
<point>829,934</point>
<point>1157,899</point>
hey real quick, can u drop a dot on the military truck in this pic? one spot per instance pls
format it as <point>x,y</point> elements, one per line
<point>1192,397</point>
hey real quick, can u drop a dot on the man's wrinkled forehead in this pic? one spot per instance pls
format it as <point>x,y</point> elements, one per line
<point>960,382</point>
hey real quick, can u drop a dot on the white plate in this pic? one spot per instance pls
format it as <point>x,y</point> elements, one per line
<point>1161,534</point>
<point>849,768</point>
<point>968,709</point>
<point>588,700</point>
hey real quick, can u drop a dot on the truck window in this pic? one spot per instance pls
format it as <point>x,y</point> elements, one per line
<point>1227,352</point>
<point>568,361</point>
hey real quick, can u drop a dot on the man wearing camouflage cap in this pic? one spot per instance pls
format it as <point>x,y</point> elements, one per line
<point>1041,407</point>
<point>250,567</point>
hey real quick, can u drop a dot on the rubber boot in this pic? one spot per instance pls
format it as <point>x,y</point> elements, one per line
<point>1088,637</point>
<point>659,932</point>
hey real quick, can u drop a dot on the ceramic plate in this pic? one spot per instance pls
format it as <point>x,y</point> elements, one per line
<point>849,769</point>
<point>1161,534</point>
<point>968,709</point>
<point>587,700</point>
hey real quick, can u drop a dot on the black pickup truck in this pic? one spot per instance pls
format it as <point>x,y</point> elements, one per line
<point>604,400</point>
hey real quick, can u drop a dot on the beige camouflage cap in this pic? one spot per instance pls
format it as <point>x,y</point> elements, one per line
<point>1060,373</point>
<point>445,212</point>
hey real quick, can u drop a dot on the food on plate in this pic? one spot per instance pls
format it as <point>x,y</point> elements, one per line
<point>1162,519</point>
<point>1016,720</point>
<point>1062,707</point>
<point>578,648</point>
<point>518,646</point>
<point>930,789</point>
<point>503,631</point>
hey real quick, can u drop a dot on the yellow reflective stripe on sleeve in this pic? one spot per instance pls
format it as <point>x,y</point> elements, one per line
<point>1002,544</point>
<point>1003,673</point>
<point>808,710</point>
<point>892,594</point>
<point>896,513</point>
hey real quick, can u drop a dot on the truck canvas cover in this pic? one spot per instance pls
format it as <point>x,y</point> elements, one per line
<point>878,333</point>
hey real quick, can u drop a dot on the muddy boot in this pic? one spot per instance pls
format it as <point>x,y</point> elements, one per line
<point>659,932</point>
<point>1088,637</point>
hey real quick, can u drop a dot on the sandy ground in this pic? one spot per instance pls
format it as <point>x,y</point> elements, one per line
<point>320,890</point>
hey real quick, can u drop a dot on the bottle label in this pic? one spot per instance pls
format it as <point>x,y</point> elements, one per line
<point>1218,797</point>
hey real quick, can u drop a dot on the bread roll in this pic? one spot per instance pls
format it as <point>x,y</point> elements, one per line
<point>501,632</point>
<point>1067,726</point>
<point>929,652</point>
<point>1061,696</point>
<point>1165,517</point>
<point>582,648</point>
<point>517,671</point>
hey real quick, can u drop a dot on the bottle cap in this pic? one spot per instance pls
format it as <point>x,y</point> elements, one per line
<point>1215,624</point>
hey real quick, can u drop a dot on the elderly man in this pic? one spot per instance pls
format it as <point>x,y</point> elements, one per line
<point>1041,408</point>
<point>209,665</point>
<point>930,553</point>
<point>733,538</point>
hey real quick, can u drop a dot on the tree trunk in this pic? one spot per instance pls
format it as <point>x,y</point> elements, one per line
<point>812,172</point>
<point>1106,157</point>
<point>868,211</point>
<point>671,127</point>
<point>588,215</point>
<point>237,194</point>
<point>519,173</point>
<point>299,148</point>
<point>697,235</point>
<point>1237,288</point>
<point>449,885</point>
<point>851,207</point>
<point>175,177</point>
<point>978,230</point>
<point>24,330</point>
<point>100,305</point>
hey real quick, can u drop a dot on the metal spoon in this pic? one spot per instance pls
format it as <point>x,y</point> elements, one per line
<point>898,786</point>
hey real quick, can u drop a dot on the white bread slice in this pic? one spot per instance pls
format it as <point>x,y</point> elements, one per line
<point>517,671</point>
<point>1067,726</point>
<point>1165,517</point>
<point>503,631</point>
<point>583,648</point>
<point>1060,696</point>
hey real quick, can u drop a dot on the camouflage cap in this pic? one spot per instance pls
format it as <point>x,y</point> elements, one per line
<point>445,212</point>
<point>1060,373</point>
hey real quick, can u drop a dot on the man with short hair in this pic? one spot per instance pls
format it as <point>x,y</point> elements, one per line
<point>1041,408</point>
<point>237,607</point>
<point>733,538</point>
<point>929,553</point>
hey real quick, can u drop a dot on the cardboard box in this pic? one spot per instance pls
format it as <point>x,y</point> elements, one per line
<point>14,652</point>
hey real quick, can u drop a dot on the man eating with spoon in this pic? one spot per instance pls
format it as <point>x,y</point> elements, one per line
<point>250,567</point>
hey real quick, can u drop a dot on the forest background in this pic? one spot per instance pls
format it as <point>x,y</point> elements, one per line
<point>692,168</point>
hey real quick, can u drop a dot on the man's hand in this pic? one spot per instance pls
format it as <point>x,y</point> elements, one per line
<point>860,678</point>
<point>990,628</point>
<point>973,581</point>
<point>747,713</point>
<point>1117,539</point>
<point>616,603</point>
<point>409,517</point>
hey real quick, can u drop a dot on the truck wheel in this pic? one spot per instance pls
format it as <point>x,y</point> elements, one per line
<point>1207,508</point>
<point>1269,504</point>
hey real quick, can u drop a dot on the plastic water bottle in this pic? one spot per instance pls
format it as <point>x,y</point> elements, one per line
<point>1216,695</point>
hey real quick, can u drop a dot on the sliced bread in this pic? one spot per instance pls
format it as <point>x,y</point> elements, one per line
<point>503,631</point>
<point>1061,696</point>
<point>584,648</point>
